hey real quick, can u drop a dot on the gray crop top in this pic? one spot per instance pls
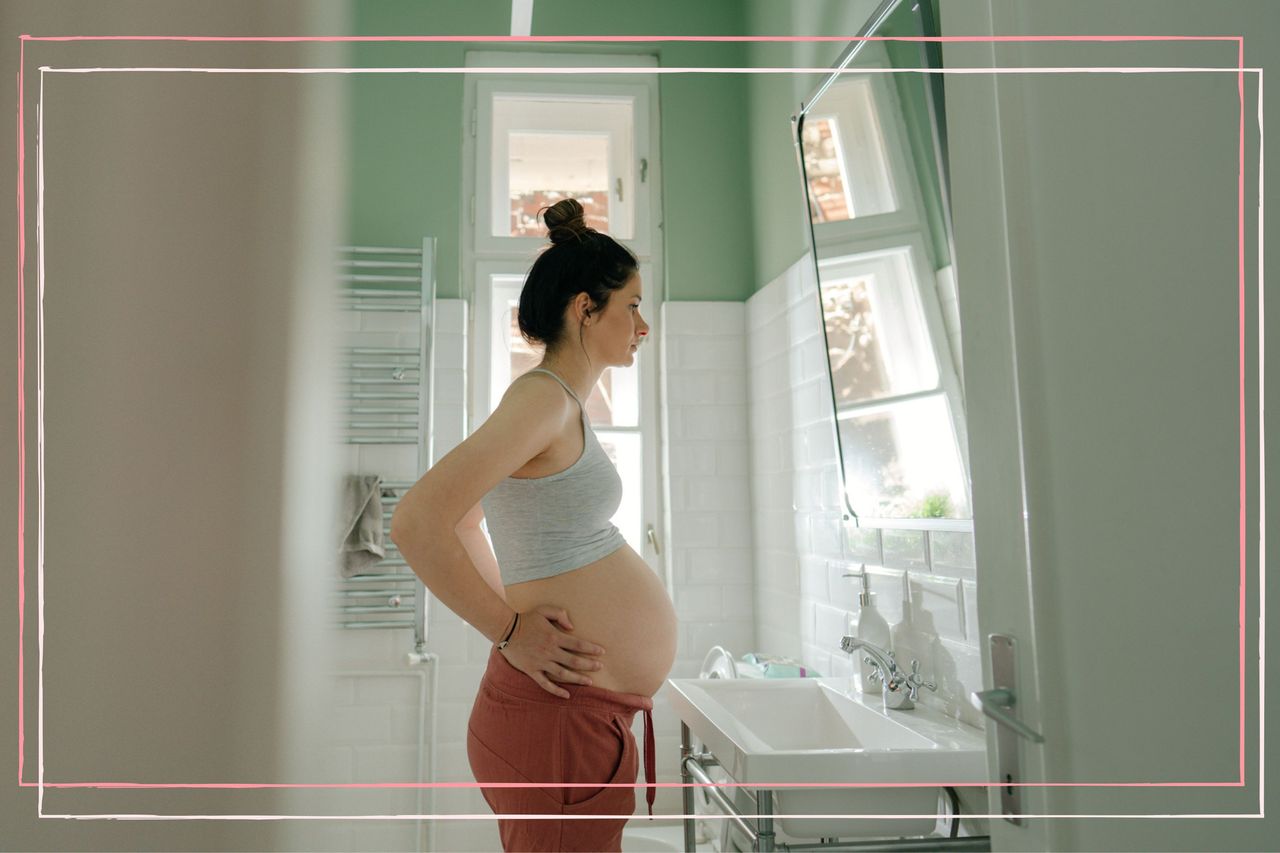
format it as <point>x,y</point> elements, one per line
<point>545,526</point>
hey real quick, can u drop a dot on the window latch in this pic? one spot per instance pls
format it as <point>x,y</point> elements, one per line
<point>619,189</point>
<point>652,536</point>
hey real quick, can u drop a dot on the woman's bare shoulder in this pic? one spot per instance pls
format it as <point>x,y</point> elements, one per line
<point>528,419</point>
<point>546,385</point>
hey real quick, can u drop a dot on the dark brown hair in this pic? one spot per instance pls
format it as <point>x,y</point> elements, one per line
<point>579,259</point>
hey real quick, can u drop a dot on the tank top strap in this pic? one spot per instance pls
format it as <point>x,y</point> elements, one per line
<point>562,382</point>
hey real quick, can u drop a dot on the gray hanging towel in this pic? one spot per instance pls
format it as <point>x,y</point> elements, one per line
<point>360,524</point>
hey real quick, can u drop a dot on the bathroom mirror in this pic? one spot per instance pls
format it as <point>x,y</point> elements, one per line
<point>871,143</point>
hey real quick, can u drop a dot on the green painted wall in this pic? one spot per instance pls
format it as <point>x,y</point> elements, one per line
<point>781,226</point>
<point>407,129</point>
<point>733,211</point>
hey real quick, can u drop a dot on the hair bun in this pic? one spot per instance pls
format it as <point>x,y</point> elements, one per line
<point>566,220</point>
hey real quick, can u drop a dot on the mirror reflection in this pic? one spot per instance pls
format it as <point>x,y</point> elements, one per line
<point>872,144</point>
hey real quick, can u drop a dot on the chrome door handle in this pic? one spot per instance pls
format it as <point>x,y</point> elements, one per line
<point>994,703</point>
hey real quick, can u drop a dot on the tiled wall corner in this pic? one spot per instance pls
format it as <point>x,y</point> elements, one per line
<point>797,511</point>
<point>708,458</point>
<point>804,544</point>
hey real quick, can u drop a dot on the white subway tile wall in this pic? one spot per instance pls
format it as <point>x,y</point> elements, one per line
<point>709,462</point>
<point>803,544</point>
<point>936,607</point>
<point>378,700</point>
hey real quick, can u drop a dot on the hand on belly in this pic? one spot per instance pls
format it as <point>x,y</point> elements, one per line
<point>618,603</point>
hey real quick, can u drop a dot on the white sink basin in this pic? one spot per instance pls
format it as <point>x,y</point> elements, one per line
<point>823,730</point>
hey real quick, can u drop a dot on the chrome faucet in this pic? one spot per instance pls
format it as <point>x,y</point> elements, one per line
<point>900,691</point>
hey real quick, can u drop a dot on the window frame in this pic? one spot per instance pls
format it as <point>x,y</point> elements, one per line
<point>514,255</point>
<point>903,228</point>
<point>909,215</point>
<point>640,88</point>
<point>935,331</point>
<point>622,165</point>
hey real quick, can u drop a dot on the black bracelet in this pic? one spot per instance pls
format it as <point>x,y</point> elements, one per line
<point>507,638</point>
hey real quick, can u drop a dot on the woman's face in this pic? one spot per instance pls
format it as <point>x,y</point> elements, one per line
<point>620,328</point>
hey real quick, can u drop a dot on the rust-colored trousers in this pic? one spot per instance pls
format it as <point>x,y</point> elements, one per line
<point>520,733</point>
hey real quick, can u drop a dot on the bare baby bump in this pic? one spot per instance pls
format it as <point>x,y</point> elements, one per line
<point>619,603</point>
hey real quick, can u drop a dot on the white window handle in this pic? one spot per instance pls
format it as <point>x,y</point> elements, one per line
<point>653,539</point>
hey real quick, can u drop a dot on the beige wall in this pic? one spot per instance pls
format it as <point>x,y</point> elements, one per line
<point>185,221</point>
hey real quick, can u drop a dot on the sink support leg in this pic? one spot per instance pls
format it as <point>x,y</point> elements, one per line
<point>764,820</point>
<point>686,792</point>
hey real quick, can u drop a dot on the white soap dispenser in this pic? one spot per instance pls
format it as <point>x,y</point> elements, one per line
<point>873,628</point>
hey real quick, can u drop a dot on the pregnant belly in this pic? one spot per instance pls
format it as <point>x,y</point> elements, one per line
<point>619,603</point>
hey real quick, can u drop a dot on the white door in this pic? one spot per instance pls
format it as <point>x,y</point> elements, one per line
<point>996,454</point>
<point>1111,364</point>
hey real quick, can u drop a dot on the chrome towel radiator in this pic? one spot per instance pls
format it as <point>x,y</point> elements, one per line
<point>385,398</point>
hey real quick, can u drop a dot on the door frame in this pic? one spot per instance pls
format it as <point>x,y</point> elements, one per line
<point>987,113</point>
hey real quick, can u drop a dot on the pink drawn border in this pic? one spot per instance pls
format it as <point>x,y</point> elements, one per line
<point>23,39</point>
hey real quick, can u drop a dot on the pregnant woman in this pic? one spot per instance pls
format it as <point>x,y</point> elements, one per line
<point>584,632</point>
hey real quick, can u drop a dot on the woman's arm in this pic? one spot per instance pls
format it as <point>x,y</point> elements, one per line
<point>434,524</point>
<point>445,564</point>
<point>482,556</point>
